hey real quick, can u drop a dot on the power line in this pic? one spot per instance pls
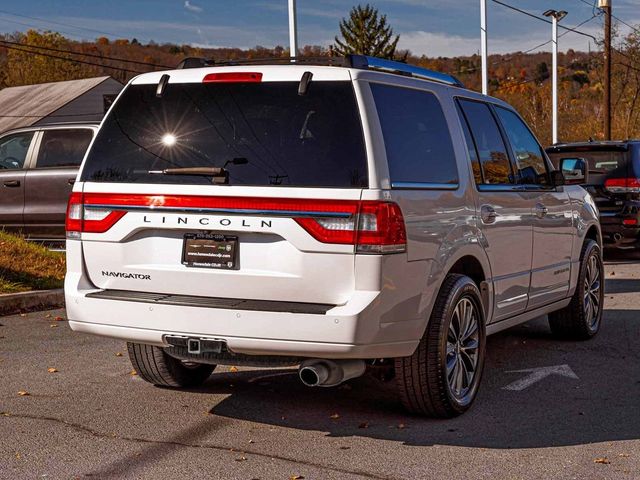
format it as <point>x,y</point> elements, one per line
<point>529,14</point>
<point>122,69</point>
<point>102,57</point>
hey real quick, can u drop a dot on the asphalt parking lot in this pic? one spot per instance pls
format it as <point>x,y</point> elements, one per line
<point>92,418</point>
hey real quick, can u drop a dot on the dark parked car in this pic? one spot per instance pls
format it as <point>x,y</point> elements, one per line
<point>614,182</point>
<point>38,166</point>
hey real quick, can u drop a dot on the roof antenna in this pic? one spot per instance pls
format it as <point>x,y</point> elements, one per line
<point>304,83</point>
<point>162,85</point>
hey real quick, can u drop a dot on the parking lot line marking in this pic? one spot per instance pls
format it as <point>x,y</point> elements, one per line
<point>537,374</point>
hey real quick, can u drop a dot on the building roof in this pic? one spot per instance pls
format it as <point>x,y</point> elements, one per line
<point>23,106</point>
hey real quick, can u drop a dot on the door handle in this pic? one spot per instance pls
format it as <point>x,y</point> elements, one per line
<point>71,181</point>
<point>12,183</point>
<point>541,210</point>
<point>488,214</point>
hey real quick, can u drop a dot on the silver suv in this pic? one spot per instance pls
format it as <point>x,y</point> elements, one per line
<point>334,217</point>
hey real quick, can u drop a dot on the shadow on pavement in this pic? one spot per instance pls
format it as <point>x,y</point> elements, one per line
<point>600,406</point>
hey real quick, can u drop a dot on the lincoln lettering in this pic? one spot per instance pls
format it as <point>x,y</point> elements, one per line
<point>209,221</point>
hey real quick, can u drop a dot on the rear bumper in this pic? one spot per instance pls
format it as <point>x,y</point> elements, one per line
<point>353,330</point>
<point>615,234</point>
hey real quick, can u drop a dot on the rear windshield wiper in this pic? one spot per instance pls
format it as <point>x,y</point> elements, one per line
<point>220,175</point>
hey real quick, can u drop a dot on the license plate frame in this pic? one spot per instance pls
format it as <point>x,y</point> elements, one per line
<point>210,250</point>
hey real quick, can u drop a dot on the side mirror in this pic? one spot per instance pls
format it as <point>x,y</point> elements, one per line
<point>574,171</point>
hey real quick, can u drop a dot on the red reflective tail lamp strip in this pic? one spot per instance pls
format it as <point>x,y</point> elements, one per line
<point>631,222</point>
<point>389,222</point>
<point>233,77</point>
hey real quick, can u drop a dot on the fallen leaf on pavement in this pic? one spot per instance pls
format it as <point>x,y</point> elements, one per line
<point>233,369</point>
<point>54,325</point>
<point>241,459</point>
<point>23,314</point>
<point>48,315</point>
<point>118,354</point>
<point>623,455</point>
<point>335,416</point>
<point>296,477</point>
<point>602,460</point>
<point>402,426</point>
<point>52,370</point>
<point>133,372</point>
<point>59,319</point>
<point>23,393</point>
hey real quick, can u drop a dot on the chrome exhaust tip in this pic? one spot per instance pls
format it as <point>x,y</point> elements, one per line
<point>329,373</point>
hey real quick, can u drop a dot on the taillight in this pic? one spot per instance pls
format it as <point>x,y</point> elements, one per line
<point>88,218</point>
<point>622,185</point>
<point>373,227</point>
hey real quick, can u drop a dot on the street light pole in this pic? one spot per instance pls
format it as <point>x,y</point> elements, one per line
<point>293,29</point>
<point>483,47</point>
<point>555,18</point>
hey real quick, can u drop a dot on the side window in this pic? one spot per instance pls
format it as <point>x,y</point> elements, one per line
<point>491,150</point>
<point>416,136</point>
<point>13,150</point>
<point>471,147</point>
<point>532,167</point>
<point>63,148</point>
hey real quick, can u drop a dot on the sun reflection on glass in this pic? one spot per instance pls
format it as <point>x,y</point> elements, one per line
<point>169,140</point>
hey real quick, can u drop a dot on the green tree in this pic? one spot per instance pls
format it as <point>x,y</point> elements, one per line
<point>366,32</point>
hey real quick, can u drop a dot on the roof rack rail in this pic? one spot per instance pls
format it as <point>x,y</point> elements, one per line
<point>391,66</point>
<point>353,61</point>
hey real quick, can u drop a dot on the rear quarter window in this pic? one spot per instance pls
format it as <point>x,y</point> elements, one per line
<point>416,136</point>
<point>63,147</point>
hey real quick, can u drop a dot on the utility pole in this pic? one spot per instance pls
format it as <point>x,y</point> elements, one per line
<point>605,6</point>
<point>555,18</point>
<point>484,50</point>
<point>293,29</point>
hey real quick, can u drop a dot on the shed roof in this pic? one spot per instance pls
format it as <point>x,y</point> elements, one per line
<point>23,106</point>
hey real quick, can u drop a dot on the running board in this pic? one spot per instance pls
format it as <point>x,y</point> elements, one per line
<point>525,317</point>
<point>210,302</point>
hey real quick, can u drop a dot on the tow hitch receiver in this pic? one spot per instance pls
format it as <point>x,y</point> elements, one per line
<point>197,346</point>
<point>193,346</point>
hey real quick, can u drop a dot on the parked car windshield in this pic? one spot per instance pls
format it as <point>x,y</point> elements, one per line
<point>277,136</point>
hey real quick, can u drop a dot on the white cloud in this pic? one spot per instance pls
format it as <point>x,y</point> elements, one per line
<point>191,7</point>
<point>445,45</point>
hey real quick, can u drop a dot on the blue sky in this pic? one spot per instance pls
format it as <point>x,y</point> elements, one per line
<point>431,27</point>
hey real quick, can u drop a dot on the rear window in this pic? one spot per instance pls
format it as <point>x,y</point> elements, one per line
<point>280,137</point>
<point>603,164</point>
<point>416,136</point>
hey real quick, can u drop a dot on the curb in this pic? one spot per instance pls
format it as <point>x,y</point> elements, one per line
<point>39,300</point>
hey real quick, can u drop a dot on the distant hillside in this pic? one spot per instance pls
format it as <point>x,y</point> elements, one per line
<point>521,79</point>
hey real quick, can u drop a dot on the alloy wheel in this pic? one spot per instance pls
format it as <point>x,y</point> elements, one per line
<point>463,343</point>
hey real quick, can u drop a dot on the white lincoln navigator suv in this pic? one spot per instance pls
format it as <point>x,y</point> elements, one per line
<point>332,214</point>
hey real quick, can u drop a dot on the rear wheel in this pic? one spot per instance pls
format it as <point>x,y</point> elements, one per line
<point>581,319</point>
<point>155,366</point>
<point>442,376</point>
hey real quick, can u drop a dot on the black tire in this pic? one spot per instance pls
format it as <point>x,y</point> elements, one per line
<point>574,322</point>
<point>422,379</point>
<point>155,366</point>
